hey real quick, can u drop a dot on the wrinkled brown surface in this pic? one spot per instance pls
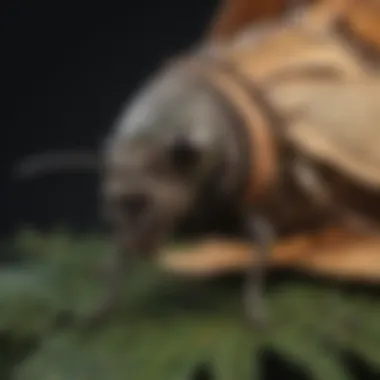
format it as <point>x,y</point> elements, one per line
<point>331,252</point>
<point>349,142</point>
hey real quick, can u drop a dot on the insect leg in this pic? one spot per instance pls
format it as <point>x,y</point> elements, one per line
<point>112,297</point>
<point>262,234</point>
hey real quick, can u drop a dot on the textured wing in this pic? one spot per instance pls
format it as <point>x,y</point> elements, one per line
<point>337,124</point>
<point>234,15</point>
<point>332,253</point>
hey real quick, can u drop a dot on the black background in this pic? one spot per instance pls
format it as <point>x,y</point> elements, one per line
<point>66,69</point>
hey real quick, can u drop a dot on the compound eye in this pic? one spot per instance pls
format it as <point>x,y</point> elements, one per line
<point>134,205</point>
<point>184,154</point>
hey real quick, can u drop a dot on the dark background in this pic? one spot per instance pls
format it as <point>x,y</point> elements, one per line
<point>66,69</point>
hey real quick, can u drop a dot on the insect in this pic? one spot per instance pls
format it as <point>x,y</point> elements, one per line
<point>276,129</point>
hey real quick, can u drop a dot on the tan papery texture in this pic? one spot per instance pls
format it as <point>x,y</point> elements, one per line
<point>328,97</point>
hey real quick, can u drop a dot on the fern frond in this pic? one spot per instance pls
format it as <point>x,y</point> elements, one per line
<point>168,327</point>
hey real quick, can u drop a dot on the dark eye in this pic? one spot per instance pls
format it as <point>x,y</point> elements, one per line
<point>135,204</point>
<point>184,154</point>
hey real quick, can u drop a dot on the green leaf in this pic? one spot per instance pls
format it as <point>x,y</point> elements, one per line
<point>166,327</point>
<point>27,301</point>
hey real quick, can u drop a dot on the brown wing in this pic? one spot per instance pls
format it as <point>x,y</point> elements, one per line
<point>234,15</point>
<point>337,124</point>
<point>332,253</point>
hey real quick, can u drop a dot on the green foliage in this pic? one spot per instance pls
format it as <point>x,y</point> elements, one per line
<point>167,327</point>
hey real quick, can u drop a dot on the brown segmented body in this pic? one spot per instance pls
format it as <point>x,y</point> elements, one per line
<point>326,89</point>
<point>314,80</point>
<point>306,73</point>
